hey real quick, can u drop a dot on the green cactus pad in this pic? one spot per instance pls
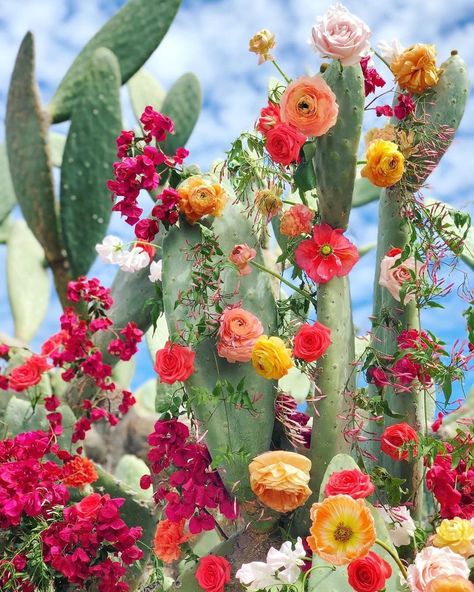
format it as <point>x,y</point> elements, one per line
<point>129,470</point>
<point>56,142</point>
<point>143,90</point>
<point>27,280</point>
<point>87,161</point>
<point>132,35</point>
<point>336,152</point>
<point>7,192</point>
<point>364,192</point>
<point>183,104</point>
<point>30,162</point>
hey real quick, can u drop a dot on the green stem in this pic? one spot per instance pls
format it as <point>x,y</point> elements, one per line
<point>303,293</point>
<point>394,556</point>
<point>281,72</point>
<point>305,577</point>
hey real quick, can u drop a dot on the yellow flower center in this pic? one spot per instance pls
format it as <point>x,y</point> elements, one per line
<point>343,533</point>
<point>325,250</point>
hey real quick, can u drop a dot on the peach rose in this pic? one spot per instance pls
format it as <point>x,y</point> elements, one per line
<point>238,332</point>
<point>295,221</point>
<point>240,257</point>
<point>310,105</point>
<point>450,584</point>
<point>200,197</point>
<point>432,563</point>
<point>393,275</point>
<point>280,479</point>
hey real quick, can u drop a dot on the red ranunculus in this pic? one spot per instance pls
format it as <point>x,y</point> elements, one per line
<point>28,374</point>
<point>213,573</point>
<point>327,254</point>
<point>369,573</point>
<point>311,341</point>
<point>396,436</point>
<point>350,482</point>
<point>284,143</point>
<point>174,362</point>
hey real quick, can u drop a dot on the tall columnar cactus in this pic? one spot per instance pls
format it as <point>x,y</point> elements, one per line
<point>335,163</point>
<point>444,106</point>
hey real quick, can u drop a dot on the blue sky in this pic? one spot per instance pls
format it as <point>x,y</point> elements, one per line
<point>210,38</point>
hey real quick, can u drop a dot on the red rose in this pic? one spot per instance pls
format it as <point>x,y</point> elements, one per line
<point>174,362</point>
<point>369,573</point>
<point>28,374</point>
<point>213,573</point>
<point>377,376</point>
<point>311,342</point>
<point>284,143</point>
<point>53,343</point>
<point>396,436</point>
<point>350,482</point>
<point>89,506</point>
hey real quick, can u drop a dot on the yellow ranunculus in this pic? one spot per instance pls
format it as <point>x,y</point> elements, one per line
<point>200,197</point>
<point>457,534</point>
<point>280,479</point>
<point>261,44</point>
<point>385,163</point>
<point>415,69</point>
<point>271,358</point>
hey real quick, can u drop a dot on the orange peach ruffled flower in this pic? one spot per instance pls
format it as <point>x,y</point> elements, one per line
<point>342,529</point>
<point>239,330</point>
<point>280,479</point>
<point>295,221</point>
<point>271,358</point>
<point>261,44</point>
<point>450,584</point>
<point>387,132</point>
<point>240,257</point>
<point>79,471</point>
<point>200,197</point>
<point>415,69</point>
<point>310,105</point>
<point>385,163</point>
<point>168,538</point>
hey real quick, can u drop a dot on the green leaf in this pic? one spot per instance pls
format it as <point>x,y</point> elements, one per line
<point>144,89</point>
<point>182,104</point>
<point>132,34</point>
<point>27,280</point>
<point>87,162</point>
<point>28,153</point>
<point>7,193</point>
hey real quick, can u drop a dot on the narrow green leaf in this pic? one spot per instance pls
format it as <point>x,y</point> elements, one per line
<point>27,280</point>
<point>132,35</point>
<point>87,163</point>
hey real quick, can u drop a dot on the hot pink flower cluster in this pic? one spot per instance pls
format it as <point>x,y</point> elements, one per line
<point>453,487</point>
<point>30,485</point>
<point>404,107</point>
<point>372,78</point>
<point>141,167</point>
<point>82,545</point>
<point>192,488</point>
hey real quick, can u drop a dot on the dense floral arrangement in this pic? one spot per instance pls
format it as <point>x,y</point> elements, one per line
<point>351,482</point>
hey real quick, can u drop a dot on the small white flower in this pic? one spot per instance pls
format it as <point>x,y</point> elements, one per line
<point>110,250</point>
<point>155,271</point>
<point>288,558</point>
<point>390,50</point>
<point>257,576</point>
<point>399,523</point>
<point>134,260</point>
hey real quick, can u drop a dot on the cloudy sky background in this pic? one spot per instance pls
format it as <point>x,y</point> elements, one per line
<point>210,38</point>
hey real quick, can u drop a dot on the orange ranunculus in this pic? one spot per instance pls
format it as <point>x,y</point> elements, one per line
<point>450,584</point>
<point>385,163</point>
<point>239,330</point>
<point>79,471</point>
<point>342,529</point>
<point>280,479</point>
<point>297,220</point>
<point>310,105</point>
<point>200,197</point>
<point>415,69</point>
<point>168,538</point>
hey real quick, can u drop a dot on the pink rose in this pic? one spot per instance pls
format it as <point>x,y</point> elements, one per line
<point>431,563</point>
<point>393,274</point>
<point>284,143</point>
<point>341,35</point>
<point>240,256</point>
<point>239,330</point>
